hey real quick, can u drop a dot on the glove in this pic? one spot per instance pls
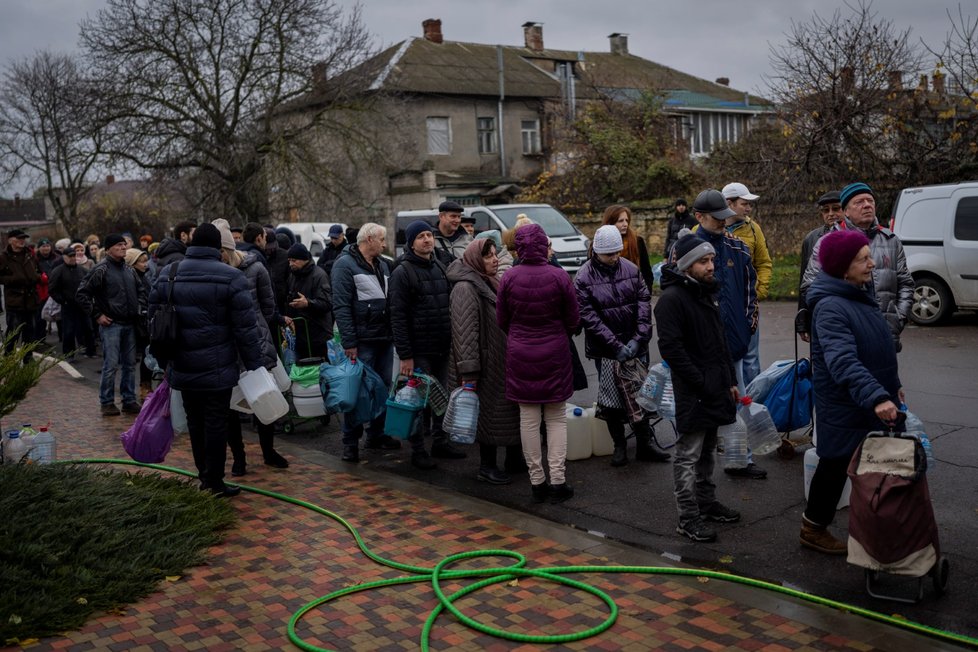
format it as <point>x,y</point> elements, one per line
<point>632,349</point>
<point>623,354</point>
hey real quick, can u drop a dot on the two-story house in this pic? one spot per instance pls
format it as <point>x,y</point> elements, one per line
<point>476,122</point>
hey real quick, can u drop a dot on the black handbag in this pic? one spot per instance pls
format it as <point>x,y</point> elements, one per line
<point>164,328</point>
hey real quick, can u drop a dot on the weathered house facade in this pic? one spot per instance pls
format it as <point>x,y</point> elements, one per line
<point>475,122</point>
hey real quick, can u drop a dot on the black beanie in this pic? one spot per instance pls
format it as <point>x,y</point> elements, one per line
<point>206,235</point>
<point>298,251</point>
<point>413,230</point>
<point>113,239</point>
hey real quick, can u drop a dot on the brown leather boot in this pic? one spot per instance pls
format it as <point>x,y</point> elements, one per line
<point>817,537</point>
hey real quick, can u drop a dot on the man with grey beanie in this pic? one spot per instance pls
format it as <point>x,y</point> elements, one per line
<point>691,340</point>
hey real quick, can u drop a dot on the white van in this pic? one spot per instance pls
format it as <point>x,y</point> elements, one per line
<point>315,235</point>
<point>569,245</point>
<point>938,226</point>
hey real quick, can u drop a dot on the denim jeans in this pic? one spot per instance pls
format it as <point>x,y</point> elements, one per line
<point>751,363</point>
<point>692,470</point>
<point>435,366</point>
<point>379,356</point>
<point>118,352</point>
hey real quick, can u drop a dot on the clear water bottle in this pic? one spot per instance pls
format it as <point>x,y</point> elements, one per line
<point>667,404</point>
<point>409,394</point>
<point>915,427</point>
<point>733,442</point>
<point>762,435</point>
<point>650,394</point>
<point>466,415</point>
<point>45,449</point>
<point>15,450</point>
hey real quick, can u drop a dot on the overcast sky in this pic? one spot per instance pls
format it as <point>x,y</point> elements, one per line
<point>706,38</point>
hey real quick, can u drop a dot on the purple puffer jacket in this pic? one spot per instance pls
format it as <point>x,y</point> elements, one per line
<point>615,307</point>
<point>537,309</point>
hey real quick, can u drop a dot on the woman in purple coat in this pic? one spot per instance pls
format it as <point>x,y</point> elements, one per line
<point>537,310</point>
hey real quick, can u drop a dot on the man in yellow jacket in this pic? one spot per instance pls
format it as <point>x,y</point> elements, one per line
<point>741,201</point>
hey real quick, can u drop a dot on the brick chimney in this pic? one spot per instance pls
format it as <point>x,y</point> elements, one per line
<point>533,36</point>
<point>432,30</point>
<point>619,43</point>
<point>723,81</point>
<point>109,179</point>
<point>895,80</point>
<point>938,82</point>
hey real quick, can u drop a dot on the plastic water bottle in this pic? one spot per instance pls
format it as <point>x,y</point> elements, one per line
<point>733,441</point>
<point>650,394</point>
<point>15,449</point>
<point>409,394</point>
<point>45,449</point>
<point>667,404</point>
<point>466,415</point>
<point>915,427</point>
<point>762,435</point>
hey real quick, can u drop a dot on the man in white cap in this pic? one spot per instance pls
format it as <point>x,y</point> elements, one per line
<point>741,201</point>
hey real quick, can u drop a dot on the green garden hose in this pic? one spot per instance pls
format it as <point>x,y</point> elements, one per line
<point>517,569</point>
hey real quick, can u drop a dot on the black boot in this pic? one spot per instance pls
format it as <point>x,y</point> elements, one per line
<point>541,492</point>
<point>560,492</point>
<point>617,431</point>
<point>645,451</point>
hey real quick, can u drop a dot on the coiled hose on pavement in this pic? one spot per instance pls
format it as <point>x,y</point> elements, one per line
<point>518,569</point>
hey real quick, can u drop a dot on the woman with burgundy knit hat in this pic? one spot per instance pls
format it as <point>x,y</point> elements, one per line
<point>857,387</point>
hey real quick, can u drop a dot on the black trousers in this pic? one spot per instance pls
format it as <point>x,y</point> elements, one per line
<point>207,420</point>
<point>828,483</point>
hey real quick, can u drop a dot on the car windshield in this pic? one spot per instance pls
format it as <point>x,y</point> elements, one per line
<point>552,221</point>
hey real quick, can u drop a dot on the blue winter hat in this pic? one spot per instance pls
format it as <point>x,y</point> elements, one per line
<point>413,230</point>
<point>853,189</point>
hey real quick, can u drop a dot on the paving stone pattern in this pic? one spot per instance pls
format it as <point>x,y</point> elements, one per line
<point>280,556</point>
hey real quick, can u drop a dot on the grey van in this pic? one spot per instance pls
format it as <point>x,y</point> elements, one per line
<point>569,244</point>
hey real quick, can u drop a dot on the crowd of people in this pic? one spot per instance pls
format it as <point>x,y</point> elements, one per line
<point>496,311</point>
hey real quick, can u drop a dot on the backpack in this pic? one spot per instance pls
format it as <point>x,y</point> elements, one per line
<point>164,328</point>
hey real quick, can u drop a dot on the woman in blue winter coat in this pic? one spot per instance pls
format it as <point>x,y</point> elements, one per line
<point>857,387</point>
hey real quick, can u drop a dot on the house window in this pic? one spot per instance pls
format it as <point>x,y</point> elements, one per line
<point>530,132</point>
<point>487,135</point>
<point>439,136</point>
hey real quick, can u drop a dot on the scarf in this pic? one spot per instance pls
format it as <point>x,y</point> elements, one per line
<point>472,257</point>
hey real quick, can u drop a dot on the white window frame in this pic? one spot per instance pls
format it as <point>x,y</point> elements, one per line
<point>487,136</point>
<point>530,137</point>
<point>439,135</point>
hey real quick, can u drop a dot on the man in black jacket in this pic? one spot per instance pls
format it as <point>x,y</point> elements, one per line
<point>337,241</point>
<point>691,341</point>
<point>115,298</point>
<point>309,304</point>
<point>63,286</point>
<point>680,219</point>
<point>216,316</point>
<point>422,327</point>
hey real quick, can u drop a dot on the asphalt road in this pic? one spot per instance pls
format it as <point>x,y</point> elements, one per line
<point>635,504</point>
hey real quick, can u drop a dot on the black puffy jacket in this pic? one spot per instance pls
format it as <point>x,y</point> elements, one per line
<point>691,340</point>
<point>169,251</point>
<point>421,320</point>
<point>216,317</point>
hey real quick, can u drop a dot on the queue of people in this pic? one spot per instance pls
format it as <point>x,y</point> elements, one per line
<point>494,310</point>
